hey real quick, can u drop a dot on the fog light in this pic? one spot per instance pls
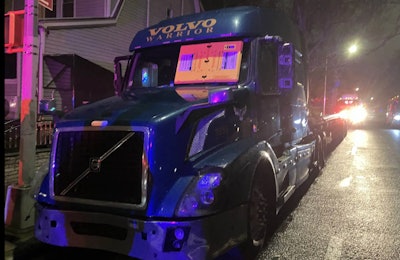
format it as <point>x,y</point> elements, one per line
<point>177,244</point>
<point>179,233</point>
<point>175,238</point>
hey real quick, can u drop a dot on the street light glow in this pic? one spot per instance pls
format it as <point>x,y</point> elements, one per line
<point>353,48</point>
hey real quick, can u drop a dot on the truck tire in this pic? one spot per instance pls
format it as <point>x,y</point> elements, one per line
<point>261,214</point>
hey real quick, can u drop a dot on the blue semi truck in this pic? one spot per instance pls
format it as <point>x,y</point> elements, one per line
<point>208,136</point>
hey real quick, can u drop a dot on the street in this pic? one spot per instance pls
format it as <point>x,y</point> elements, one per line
<point>350,211</point>
<point>223,130</point>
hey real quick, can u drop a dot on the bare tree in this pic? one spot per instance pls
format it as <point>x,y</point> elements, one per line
<point>329,26</point>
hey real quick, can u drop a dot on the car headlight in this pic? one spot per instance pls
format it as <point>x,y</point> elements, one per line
<point>201,195</point>
<point>355,115</point>
<point>396,117</point>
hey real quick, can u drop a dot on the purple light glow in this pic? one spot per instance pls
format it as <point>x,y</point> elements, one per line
<point>218,97</point>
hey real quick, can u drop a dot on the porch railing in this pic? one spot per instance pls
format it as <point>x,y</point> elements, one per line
<point>12,135</point>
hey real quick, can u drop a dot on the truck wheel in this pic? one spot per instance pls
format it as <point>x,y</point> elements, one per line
<point>260,215</point>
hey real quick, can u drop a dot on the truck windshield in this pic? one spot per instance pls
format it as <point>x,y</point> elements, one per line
<point>189,65</point>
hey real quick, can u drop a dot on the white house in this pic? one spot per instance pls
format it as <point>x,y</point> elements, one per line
<point>78,41</point>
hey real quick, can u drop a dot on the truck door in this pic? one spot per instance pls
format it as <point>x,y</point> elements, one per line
<point>292,81</point>
<point>294,112</point>
<point>267,92</point>
<point>298,113</point>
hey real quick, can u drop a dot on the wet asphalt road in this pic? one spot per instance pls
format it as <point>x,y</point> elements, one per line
<point>350,211</point>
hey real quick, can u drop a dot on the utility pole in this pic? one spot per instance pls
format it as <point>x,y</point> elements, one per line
<point>28,116</point>
<point>19,216</point>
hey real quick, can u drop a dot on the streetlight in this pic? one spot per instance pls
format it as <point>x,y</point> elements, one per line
<point>351,50</point>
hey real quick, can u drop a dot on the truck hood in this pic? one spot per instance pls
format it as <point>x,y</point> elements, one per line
<point>170,120</point>
<point>139,106</point>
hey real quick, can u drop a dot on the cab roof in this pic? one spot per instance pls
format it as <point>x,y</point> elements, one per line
<point>243,21</point>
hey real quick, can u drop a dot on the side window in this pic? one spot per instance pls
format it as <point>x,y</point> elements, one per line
<point>300,68</point>
<point>266,67</point>
<point>300,76</point>
<point>61,9</point>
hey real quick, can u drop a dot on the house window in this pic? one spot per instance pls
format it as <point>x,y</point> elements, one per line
<point>78,9</point>
<point>10,70</point>
<point>68,8</point>
<point>61,9</point>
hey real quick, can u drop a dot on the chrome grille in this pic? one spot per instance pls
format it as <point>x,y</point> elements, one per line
<point>93,166</point>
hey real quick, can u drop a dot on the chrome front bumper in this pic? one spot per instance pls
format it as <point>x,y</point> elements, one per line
<point>202,238</point>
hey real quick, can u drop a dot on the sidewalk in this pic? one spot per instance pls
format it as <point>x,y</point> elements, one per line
<point>13,240</point>
<point>8,250</point>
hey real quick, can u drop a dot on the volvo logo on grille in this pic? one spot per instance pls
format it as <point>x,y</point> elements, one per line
<point>94,164</point>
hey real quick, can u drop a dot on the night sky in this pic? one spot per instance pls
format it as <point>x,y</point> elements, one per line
<point>375,68</point>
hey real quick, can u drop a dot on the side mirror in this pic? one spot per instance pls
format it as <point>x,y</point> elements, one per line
<point>286,66</point>
<point>117,78</point>
<point>118,70</point>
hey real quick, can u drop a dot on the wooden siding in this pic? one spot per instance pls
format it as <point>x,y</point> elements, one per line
<point>99,45</point>
<point>89,8</point>
<point>158,9</point>
<point>102,44</point>
<point>10,87</point>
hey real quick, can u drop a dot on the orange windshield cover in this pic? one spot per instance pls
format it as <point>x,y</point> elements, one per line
<point>209,62</point>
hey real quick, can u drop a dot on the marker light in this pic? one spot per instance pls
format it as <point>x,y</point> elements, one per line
<point>99,123</point>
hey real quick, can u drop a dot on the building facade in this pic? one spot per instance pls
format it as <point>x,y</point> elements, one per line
<point>78,41</point>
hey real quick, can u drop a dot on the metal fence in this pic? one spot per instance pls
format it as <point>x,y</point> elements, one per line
<point>12,134</point>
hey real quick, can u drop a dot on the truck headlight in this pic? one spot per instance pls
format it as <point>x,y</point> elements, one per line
<point>200,197</point>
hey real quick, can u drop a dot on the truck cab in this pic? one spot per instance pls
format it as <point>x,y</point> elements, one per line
<point>216,68</point>
<point>207,137</point>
